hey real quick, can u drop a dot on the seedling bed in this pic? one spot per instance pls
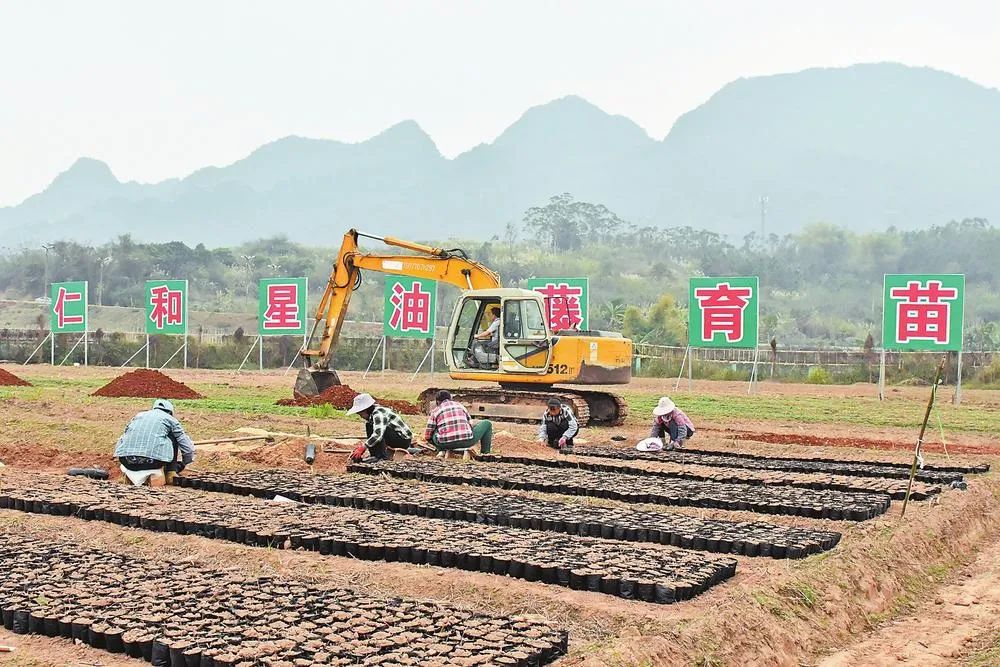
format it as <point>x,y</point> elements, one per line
<point>442,501</point>
<point>896,488</point>
<point>820,504</point>
<point>583,563</point>
<point>182,615</point>
<point>935,474</point>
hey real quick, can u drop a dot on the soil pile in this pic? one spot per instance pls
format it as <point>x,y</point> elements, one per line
<point>10,380</point>
<point>341,396</point>
<point>146,383</point>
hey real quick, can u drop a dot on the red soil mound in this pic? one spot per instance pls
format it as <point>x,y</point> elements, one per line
<point>11,380</point>
<point>342,396</point>
<point>146,383</point>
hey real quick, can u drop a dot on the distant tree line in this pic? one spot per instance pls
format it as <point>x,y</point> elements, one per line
<point>820,287</point>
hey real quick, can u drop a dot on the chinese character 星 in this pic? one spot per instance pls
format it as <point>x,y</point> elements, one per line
<point>282,307</point>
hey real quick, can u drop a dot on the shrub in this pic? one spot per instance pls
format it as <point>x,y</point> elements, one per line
<point>818,375</point>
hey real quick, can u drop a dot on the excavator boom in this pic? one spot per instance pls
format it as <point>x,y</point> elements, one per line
<point>446,266</point>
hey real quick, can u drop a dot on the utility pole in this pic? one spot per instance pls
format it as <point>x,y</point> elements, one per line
<point>249,260</point>
<point>763,215</point>
<point>45,286</point>
<point>104,261</point>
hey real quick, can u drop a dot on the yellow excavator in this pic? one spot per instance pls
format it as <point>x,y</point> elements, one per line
<point>520,352</point>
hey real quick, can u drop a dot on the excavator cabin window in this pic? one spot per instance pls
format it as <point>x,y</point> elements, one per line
<point>474,319</point>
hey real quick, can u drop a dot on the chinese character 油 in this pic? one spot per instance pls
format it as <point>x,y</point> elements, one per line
<point>411,310</point>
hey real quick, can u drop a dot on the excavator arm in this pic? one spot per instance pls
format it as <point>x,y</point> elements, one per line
<point>447,266</point>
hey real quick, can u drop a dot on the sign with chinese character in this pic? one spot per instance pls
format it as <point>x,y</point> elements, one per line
<point>722,312</point>
<point>567,301</point>
<point>409,307</point>
<point>166,307</point>
<point>923,311</point>
<point>281,307</point>
<point>68,310</point>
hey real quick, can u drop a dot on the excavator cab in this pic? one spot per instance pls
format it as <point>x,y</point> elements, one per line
<point>522,343</point>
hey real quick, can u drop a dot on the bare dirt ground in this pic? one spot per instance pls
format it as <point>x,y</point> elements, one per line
<point>852,603</point>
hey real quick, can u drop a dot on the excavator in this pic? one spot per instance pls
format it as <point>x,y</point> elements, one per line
<point>527,359</point>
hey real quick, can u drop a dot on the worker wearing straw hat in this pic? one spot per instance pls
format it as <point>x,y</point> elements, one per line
<point>670,424</point>
<point>385,429</point>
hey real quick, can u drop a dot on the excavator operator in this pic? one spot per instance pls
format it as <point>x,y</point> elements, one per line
<point>488,340</point>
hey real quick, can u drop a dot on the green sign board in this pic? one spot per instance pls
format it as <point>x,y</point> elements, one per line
<point>281,306</point>
<point>68,309</point>
<point>167,307</point>
<point>410,306</point>
<point>923,311</point>
<point>723,312</point>
<point>567,301</point>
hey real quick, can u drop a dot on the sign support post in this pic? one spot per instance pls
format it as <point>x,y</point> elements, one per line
<point>957,400</point>
<point>753,371</point>
<point>881,375</point>
<point>684,361</point>
<point>147,350</point>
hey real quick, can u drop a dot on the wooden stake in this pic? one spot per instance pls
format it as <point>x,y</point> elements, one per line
<point>920,438</point>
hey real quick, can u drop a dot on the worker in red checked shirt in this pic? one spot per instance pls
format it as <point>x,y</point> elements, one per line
<point>450,427</point>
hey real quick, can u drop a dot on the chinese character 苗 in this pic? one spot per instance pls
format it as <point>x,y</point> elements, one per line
<point>168,306</point>
<point>923,312</point>
<point>282,307</point>
<point>722,308</point>
<point>60,308</point>
<point>411,310</point>
<point>562,305</point>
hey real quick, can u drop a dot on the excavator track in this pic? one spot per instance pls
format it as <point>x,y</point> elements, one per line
<point>520,405</point>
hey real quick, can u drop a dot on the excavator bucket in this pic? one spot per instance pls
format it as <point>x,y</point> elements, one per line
<point>312,382</point>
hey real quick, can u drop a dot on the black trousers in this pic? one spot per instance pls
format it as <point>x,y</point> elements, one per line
<point>554,431</point>
<point>673,431</point>
<point>392,439</point>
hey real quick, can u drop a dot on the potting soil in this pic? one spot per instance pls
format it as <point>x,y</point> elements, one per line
<point>584,563</point>
<point>814,503</point>
<point>146,383</point>
<point>178,613</point>
<point>341,397</point>
<point>8,379</point>
<point>502,508</point>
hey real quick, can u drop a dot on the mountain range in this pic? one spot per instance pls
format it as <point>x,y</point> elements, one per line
<point>864,147</point>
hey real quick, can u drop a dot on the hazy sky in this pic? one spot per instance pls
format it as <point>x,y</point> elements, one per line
<point>159,89</point>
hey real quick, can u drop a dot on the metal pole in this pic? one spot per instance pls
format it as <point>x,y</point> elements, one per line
<point>185,351</point>
<point>426,354</point>
<point>71,351</point>
<point>134,356</point>
<point>86,340</point>
<point>881,375</point>
<point>690,367</point>
<point>753,371</point>
<point>35,351</point>
<point>260,356</point>
<point>52,350</point>
<point>680,372</point>
<point>147,350</point>
<point>385,344</point>
<point>433,344</point>
<point>374,354</point>
<point>249,352</point>
<point>176,352</point>
<point>957,400</point>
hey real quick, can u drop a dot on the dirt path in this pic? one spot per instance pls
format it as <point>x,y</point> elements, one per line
<point>941,631</point>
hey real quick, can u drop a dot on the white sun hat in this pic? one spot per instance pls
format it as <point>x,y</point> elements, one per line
<point>664,407</point>
<point>650,445</point>
<point>361,402</point>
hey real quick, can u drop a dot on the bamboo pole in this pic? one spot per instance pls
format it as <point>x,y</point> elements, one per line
<point>920,438</point>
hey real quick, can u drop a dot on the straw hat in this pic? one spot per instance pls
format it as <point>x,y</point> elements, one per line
<point>361,402</point>
<point>664,407</point>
